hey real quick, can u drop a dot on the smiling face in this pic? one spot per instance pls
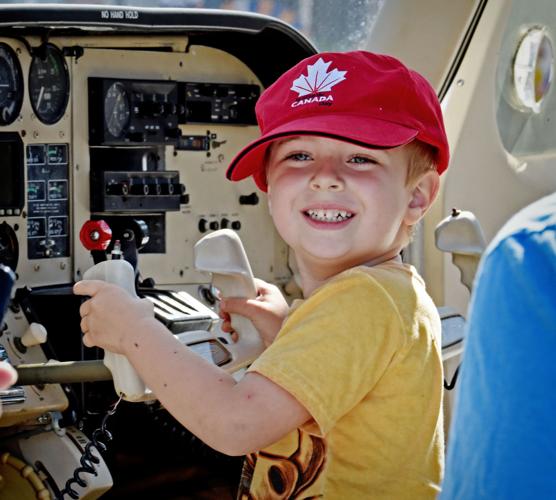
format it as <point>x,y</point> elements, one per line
<point>339,205</point>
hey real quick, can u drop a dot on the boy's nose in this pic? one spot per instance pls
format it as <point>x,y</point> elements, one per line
<point>327,179</point>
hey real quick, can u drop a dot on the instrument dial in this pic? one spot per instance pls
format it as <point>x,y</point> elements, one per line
<point>116,109</point>
<point>49,84</point>
<point>11,85</point>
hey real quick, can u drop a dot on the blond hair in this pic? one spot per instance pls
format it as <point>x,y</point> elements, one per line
<point>422,158</point>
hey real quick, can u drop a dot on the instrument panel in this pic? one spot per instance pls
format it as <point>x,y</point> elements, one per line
<point>125,135</point>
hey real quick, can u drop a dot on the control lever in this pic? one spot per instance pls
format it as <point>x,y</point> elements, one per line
<point>221,253</point>
<point>126,380</point>
<point>462,236</point>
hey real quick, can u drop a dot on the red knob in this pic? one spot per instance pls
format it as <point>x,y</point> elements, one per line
<point>95,235</point>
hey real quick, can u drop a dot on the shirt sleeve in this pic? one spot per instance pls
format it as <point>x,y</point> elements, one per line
<point>334,348</point>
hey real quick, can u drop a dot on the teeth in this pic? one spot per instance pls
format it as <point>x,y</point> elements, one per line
<point>329,215</point>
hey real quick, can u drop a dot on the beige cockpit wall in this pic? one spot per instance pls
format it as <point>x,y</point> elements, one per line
<point>502,152</point>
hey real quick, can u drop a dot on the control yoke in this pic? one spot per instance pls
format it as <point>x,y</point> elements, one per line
<point>221,253</point>
<point>126,380</point>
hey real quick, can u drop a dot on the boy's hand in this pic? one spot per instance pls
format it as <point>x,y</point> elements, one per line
<point>267,311</point>
<point>110,315</point>
<point>8,375</point>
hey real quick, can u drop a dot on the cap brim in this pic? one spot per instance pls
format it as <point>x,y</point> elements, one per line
<point>363,131</point>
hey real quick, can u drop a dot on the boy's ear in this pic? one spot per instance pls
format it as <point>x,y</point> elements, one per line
<point>423,193</point>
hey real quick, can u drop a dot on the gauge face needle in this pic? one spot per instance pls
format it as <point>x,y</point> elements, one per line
<point>41,93</point>
<point>116,108</point>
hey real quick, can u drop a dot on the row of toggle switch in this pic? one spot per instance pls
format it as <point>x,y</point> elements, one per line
<point>140,188</point>
<point>213,225</point>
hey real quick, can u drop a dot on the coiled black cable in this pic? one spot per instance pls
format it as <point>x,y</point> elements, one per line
<point>88,460</point>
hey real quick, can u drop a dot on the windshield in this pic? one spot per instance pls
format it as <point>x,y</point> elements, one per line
<point>331,25</point>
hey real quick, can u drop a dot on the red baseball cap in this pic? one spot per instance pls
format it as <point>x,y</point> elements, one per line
<point>368,99</point>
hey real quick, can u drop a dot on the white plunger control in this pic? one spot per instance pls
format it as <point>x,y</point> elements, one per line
<point>34,335</point>
<point>221,253</point>
<point>461,235</point>
<point>126,380</point>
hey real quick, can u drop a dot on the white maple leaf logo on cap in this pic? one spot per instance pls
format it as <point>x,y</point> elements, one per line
<point>318,79</point>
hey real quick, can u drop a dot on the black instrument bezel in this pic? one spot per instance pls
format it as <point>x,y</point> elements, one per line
<point>19,83</point>
<point>55,118</point>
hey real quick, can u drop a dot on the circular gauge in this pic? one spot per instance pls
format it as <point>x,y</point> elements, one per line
<point>9,247</point>
<point>533,69</point>
<point>116,109</point>
<point>11,85</point>
<point>49,84</point>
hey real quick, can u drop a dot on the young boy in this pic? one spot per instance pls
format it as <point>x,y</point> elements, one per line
<point>346,401</point>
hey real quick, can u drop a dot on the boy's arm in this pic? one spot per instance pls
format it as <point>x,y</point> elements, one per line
<point>232,417</point>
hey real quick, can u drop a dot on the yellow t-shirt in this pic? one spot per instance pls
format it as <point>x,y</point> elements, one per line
<point>362,355</point>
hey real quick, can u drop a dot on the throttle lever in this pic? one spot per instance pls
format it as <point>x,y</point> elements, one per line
<point>221,253</point>
<point>127,382</point>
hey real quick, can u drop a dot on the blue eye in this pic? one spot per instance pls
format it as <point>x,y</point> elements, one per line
<point>361,159</point>
<point>362,162</point>
<point>298,157</point>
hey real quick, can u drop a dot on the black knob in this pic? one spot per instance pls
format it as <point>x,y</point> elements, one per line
<point>184,199</point>
<point>206,293</point>
<point>155,188</point>
<point>213,225</point>
<point>139,188</point>
<point>236,225</point>
<point>249,199</point>
<point>118,189</point>
<point>166,188</point>
<point>170,108</point>
<point>148,283</point>
<point>224,223</point>
<point>203,225</point>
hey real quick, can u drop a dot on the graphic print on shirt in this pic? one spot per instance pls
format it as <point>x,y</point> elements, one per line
<point>267,476</point>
